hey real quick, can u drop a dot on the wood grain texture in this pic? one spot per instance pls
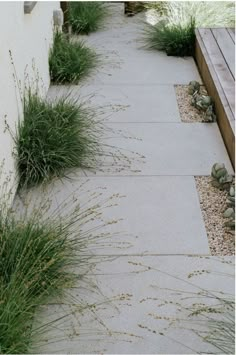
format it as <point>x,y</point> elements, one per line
<point>211,79</point>
<point>219,65</point>
<point>226,46</point>
<point>231,33</point>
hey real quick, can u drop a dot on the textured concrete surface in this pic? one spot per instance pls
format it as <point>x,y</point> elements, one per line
<point>142,305</point>
<point>128,103</point>
<point>125,60</point>
<point>155,70</point>
<point>156,215</point>
<point>168,149</point>
<point>141,292</point>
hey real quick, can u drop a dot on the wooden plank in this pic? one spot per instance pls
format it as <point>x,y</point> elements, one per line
<point>222,71</point>
<point>224,114</point>
<point>227,47</point>
<point>204,60</point>
<point>231,33</point>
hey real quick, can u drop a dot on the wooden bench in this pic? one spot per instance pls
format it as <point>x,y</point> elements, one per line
<point>215,57</point>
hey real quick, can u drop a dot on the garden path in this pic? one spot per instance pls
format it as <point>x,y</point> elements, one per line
<point>164,241</point>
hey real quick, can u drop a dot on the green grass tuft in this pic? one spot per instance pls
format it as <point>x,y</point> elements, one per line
<point>32,262</point>
<point>54,137</point>
<point>173,23</point>
<point>69,62</point>
<point>176,40</point>
<point>44,251</point>
<point>86,17</point>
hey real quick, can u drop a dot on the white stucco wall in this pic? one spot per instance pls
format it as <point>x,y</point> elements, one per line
<point>28,37</point>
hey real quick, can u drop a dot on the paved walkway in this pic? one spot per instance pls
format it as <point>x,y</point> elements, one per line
<point>164,241</point>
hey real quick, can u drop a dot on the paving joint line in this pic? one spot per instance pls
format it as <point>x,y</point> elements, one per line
<point>140,176</point>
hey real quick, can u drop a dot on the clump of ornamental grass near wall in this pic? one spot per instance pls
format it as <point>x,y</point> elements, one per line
<point>56,137</point>
<point>70,61</point>
<point>53,137</point>
<point>32,260</point>
<point>173,29</point>
<point>86,17</point>
<point>44,250</point>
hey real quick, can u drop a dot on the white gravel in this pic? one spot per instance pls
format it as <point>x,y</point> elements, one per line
<point>213,204</point>
<point>188,113</point>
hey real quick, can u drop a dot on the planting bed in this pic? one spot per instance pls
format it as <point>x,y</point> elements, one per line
<point>188,113</point>
<point>213,204</point>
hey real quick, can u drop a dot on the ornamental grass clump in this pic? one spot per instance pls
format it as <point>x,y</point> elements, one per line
<point>176,40</point>
<point>173,29</point>
<point>53,137</point>
<point>70,61</point>
<point>35,261</point>
<point>86,16</point>
<point>45,250</point>
<point>33,257</point>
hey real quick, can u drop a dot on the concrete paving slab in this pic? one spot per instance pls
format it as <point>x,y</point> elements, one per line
<point>146,69</point>
<point>168,148</point>
<point>117,23</point>
<point>124,36</point>
<point>155,215</point>
<point>135,300</point>
<point>121,40</point>
<point>123,28</point>
<point>126,103</point>
<point>144,307</point>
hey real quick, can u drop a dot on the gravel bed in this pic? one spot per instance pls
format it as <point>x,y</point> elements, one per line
<point>213,204</point>
<point>188,113</point>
